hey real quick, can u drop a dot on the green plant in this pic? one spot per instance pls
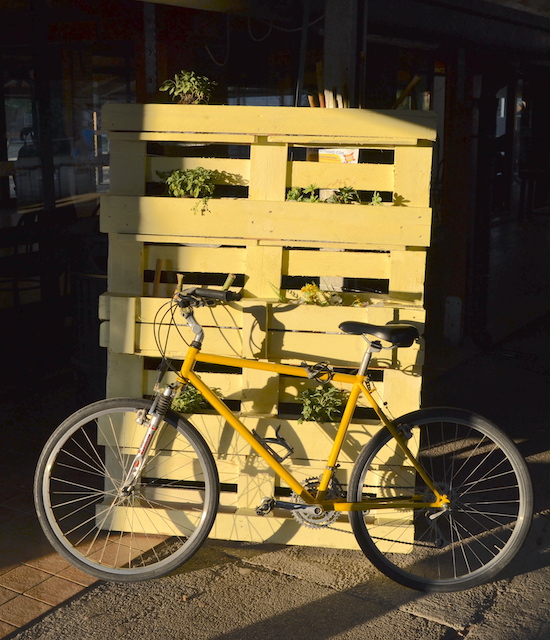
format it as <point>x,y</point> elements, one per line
<point>189,400</point>
<point>322,404</point>
<point>376,199</point>
<point>190,183</point>
<point>188,88</point>
<point>344,195</point>
<point>303,194</point>
<point>311,294</point>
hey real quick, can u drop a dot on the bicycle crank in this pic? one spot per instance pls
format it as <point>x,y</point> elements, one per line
<point>314,517</point>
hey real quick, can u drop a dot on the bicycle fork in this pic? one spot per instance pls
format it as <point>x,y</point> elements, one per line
<point>158,411</point>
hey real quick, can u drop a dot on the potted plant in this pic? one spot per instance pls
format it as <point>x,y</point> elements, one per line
<point>189,88</point>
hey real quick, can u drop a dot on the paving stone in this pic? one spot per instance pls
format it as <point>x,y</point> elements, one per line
<point>23,578</point>
<point>21,610</point>
<point>6,629</point>
<point>75,575</point>
<point>54,590</point>
<point>6,595</point>
<point>51,562</point>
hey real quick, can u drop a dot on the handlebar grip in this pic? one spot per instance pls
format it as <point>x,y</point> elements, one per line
<point>216,294</point>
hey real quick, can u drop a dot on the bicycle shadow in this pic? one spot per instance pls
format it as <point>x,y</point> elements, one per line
<point>352,612</point>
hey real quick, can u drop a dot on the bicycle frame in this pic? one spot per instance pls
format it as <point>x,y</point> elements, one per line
<point>358,385</point>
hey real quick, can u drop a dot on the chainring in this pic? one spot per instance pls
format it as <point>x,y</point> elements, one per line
<point>314,521</point>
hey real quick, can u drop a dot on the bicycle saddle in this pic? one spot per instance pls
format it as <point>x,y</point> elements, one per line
<point>400,335</point>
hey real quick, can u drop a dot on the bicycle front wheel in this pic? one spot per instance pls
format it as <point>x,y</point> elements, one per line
<point>480,470</point>
<point>99,527</point>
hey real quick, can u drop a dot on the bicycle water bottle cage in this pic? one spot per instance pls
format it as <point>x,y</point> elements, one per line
<point>277,440</point>
<point>322,371</point>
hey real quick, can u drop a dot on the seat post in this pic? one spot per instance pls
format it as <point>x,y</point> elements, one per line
<point>374,347</point>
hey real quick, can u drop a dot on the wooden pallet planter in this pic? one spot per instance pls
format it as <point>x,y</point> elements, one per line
<point>271,244</point>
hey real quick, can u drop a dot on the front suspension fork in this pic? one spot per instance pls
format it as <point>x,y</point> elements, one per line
<point>157,412</point>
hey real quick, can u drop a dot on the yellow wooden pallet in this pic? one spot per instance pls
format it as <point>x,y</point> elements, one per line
<point>268,242</point>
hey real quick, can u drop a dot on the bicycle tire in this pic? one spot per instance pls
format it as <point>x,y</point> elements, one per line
<point>478,467</point>
<point>117,537</point>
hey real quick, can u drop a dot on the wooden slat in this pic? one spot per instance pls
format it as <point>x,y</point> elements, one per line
<point>367,177</point>
<point>237,171</point>
<point>350,264</point>
<point>268,171</point>
<point>199,259</point>
<point>127,171</point>
<point>252,220</point>
<point>334,125</point>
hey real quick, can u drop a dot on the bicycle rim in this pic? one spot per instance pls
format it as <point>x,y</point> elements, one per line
<point>483,474</point>
<point>113,536</point>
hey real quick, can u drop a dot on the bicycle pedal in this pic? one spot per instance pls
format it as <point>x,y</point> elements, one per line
<point>267,505</point>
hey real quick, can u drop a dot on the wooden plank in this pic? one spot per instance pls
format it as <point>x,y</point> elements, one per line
<point>407,275</point>
<point>263,266</point>
<point>367,177</point>
<point>340,350</point>
<point>125,265</point>
<point>127,168</point>
<point>248,219</point>
<point>402,391</point>
<point>122,325</point>
<point>334,125</point>
<point>311,441</point>
<point>199,259</point>
<point>345,141</point>
<point>349,264</point>
<point>413,166</point>
<point>183,136</point>
<point>228,170</point>
<point>268,171</point>
<point>125,376</point>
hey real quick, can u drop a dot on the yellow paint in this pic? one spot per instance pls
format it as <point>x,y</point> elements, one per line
<point>261,235</point>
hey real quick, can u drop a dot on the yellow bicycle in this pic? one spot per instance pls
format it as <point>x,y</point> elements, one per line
<point>438,500</point>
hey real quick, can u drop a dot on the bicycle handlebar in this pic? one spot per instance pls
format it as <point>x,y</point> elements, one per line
<point>196,297</point>
<point>216,294</point>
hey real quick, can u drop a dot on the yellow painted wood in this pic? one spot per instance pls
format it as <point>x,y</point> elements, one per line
<point>231,387</point>
<point>334,125</point>
<point>228,170</point>
<point>183,136</point>
<point>402,389</point>
<point>259,233</point>
<point>268,171</point>
<point>311,441</point>
<point>127,170</point>
<point>241,527</point>
<point>122,325</point>
<point>125,376</point>
<point>253,220</point>
<point>256,481</point>
<point>413,167</point>
<point>320,141</point>
<point>125,265</point>
<point>199,259</point>
<point>349,264</point>
<point>367,177</point>
<point>407,275</point>
<point>260,392</point>
<point>263,267</point>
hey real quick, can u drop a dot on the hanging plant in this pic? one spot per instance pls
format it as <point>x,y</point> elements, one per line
<point>190,183</point>
<point>187,87</point>
<point>322,404</point>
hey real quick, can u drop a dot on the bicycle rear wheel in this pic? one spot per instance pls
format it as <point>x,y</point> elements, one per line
<point>486,479</point>
<point>91,522</point>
